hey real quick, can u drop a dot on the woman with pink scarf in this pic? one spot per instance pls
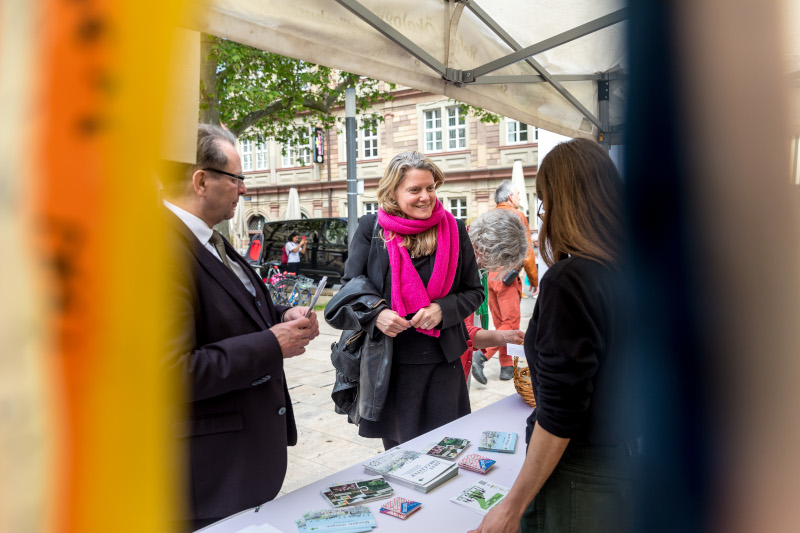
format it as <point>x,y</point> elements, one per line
<point>419,257</point>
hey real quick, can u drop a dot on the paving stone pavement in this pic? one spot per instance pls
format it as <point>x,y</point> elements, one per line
<point>327,443</point>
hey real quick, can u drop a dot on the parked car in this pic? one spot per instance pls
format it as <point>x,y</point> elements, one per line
<point>326,249</point>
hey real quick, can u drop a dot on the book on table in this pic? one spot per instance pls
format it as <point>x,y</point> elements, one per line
<point>411,469</point>
<point>476,463</point>
<point>448,448</point>
<point>401,508</point>
<point>481,497</point>
<point>498,441</point>
<point>357,519</point>
<point>358,492</point>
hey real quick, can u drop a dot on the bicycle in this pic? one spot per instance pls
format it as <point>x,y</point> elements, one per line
<point>301,292</point>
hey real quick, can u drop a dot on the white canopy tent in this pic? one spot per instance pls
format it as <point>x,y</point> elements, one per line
<point>559,66</point>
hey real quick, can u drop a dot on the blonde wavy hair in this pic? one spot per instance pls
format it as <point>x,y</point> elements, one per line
<point>423,243</point>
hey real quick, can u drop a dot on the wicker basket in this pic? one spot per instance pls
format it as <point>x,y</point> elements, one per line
<point>522,382</point>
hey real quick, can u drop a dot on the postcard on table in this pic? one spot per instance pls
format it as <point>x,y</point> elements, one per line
<point>358,492</point>
<point>498,441</point>
<point>448,448</point>
<point>481,496</point>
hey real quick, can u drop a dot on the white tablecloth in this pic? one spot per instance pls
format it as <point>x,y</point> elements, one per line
<point>437,512</point>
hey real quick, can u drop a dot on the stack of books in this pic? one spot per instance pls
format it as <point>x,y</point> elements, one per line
<point>411,469</point>
<point>481,496</point>
<point>476,463</point>
<point>448,448</point>
<point>498,441</point>
<point>358,492</point>
<point>356,519</point>
<point>400,507</point>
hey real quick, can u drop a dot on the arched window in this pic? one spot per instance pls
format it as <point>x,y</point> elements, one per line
<point>256,224</point>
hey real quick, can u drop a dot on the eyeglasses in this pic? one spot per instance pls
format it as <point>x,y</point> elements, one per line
<point>235,176</point>
<point>540,212</point>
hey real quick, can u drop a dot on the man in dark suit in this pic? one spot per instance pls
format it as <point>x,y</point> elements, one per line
<point>228,345</point>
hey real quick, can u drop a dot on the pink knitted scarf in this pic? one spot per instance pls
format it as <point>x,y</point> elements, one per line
<point>414,295</point>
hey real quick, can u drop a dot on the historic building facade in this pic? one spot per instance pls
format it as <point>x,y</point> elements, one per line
<point>474,156</point>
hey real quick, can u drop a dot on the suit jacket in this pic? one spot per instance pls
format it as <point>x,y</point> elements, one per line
<point>239,417</point>
<point>368,256</point>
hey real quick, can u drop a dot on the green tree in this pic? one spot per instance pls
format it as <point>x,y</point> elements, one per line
<point>258,94</point>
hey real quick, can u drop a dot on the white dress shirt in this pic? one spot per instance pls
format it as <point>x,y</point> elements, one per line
<point>203,234</point>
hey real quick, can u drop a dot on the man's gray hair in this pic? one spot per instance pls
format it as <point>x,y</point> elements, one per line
<point>503,191</point>
<point>498,237</point>
<point>209,150</point>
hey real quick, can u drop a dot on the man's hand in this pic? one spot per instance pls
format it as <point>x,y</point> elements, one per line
<point>300,312</point>
<point>499,520</point>
<point>390,323</point>
<point>293,336</point>
<point>428,317</point>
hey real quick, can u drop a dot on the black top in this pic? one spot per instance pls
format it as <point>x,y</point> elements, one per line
<point>579,362</point>
<point>368,256</point>
<point>411,346</point>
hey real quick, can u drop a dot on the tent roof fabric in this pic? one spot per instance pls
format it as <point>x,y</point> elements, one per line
<point>460,38</point>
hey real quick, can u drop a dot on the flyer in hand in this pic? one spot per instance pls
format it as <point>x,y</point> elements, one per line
<point>498,441</point>
<point>400,507</point>
<point>476,463</point>
<point>358,492</point>
<point>481,496</point>
<point>448,448</point>
<point>411,469</point>
<point>356,519</point>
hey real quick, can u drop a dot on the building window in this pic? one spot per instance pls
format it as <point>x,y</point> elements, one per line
<point>458,207</point>
<point>298,152</point>
<point>454,130</point>
<point>369,142</point>
<point>261,156</point>
<point>247,155</point>
<point>256,224</point>
<point>519,133</point>
<point>433,130</point>
<point>370,208</point>
<point>366,141</point>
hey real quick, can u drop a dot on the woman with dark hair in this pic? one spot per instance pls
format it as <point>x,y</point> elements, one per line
<point>579,462</point>
<point>294,247</point>
<point>420,261</point>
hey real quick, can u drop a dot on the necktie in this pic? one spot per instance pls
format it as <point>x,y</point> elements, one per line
<point>219,244</point>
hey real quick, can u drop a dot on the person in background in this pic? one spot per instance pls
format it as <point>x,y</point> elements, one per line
<point>226,345</point>
<point>504,300</point>
<point>579,468</point>
<point>498,238</point>
<point>295,246</point>
<point>420,260</point>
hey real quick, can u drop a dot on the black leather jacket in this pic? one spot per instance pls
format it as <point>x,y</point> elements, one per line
<point>363,355</point>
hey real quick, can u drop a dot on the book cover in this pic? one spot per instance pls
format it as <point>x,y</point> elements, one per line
<point>448,448</point>
<point>498,441</point>
<point>358,492</point>
<point>476,463</point>
<point>350,519</point>
<point>400,507</point>
<point>409,466</point>
<point>481,496</point>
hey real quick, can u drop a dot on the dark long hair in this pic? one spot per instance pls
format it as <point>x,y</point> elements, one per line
<point>582,195</point>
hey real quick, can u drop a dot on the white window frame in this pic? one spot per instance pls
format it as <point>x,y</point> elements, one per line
<point>442,127</point>
<point>368,208</point>
<point>247,155</point>
<point>296,152</point>
<point>456,128</point>
<point>261,156</point>
<point>361,141</point>
<point>461,207</point>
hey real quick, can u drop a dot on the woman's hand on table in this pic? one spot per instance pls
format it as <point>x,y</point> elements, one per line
<point>428,317</point>
<point>390,323</point>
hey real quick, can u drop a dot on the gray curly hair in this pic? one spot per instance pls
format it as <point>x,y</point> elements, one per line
<point>498,237</point>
